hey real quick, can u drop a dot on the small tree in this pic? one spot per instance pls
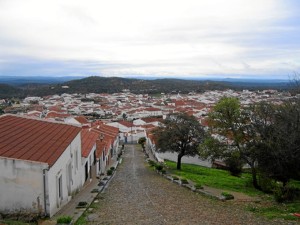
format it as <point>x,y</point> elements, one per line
<point>279,155</point>
<point>179,133</point>
<point>233,140</point>
<point>142,142</point>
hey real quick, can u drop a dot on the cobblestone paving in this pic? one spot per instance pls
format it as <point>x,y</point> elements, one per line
<point>137,195</point>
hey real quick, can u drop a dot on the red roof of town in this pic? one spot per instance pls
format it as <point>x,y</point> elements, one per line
<point>34,140</point>
<point>81,119</point>
<point>88,140</point>
<point>57,115</point>
<point>126,123</point>
<point>151,109</point>
<point>151,119</point>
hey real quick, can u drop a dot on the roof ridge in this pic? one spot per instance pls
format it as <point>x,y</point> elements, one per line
<point>41,119</point>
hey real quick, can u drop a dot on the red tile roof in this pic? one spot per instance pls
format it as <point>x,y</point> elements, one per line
<point>57,115</point>
<point>81,119</point>
<point>88,140</point>
<point>34,140</point>
<point>126,123</point>
<point>151,109</point>
<point>151,120</point>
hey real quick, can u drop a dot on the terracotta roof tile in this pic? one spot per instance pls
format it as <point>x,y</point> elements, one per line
<point>35,140</point>
<point>81,119</point>
<point>88,140</point>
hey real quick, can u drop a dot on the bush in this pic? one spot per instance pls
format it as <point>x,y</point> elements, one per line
<point>82,204</point>
<point>159,167</point>
<point>163,171</point>
<point>227,196</point>
<point>184,181</point>
<point>112,168</point>
<point>175,178</point>
<point>198,186</point>
<point>235,165</point>
<point>266,184</point>
<point>286,194</point>
<point>109,172</point>
<point>64,219</point>
<point>151,162</point>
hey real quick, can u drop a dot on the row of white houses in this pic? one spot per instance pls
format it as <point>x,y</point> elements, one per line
<point>44,163</point>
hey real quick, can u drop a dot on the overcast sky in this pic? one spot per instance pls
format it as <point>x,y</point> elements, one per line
<point>195,38</point>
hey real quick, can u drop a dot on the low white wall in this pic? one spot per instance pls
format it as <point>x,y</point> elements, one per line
<point>185,159</point>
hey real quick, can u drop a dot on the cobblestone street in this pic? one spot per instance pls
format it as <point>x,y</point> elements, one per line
<point>138,195</point>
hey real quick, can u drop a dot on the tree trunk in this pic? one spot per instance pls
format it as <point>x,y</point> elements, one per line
<point>180,155</point>
<point>254,178</point>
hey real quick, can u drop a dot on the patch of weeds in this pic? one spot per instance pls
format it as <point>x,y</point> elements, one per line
<point>82,205</point>
<point>198,186</point>
<point>175,178</point>
<point>81,220</point>
<point>227,195</point>
<point>109,172</point>
<point>95,190</point>
<point>283,211</point>
<point>94,205</point>
<point>163,171</point>
<point>64,219</point>
<point>151,162</point>
<point>184,181</point>
<point>159,167</point>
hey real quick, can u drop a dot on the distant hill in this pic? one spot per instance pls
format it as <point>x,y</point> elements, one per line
<point>7,91</point>
<point>24,80</point>
<point>97,84</point>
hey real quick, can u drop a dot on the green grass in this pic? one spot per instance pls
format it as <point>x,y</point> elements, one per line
<point>82,219</point>
<point>214,178</point>
<point>64,219</point>
<point>283,211</point>
<point>223,180</point>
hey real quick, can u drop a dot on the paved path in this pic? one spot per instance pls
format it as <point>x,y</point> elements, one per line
<point>138,195</point>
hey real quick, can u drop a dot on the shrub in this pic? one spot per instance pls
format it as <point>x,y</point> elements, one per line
<point>227,196</point>
<point>159,167</point>
<point>64,219</point>
<point>235,165</point>
<point>184,181</point>
<point>151,162</point>
<point>82,204</point>
<point>175,178</point>
<point>163,171</point>
<point>109,172</point>
<point>267,184</point>
<point>112,168</point>
<point>285,194</point>
<point>198,186</point>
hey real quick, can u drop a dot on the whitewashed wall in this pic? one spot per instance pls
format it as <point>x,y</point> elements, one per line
<point>72,157</point>
<point>21,186</point>
<point>90,160</point>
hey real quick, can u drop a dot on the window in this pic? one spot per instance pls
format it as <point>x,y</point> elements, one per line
<point>60,194</point>
<point>76,159</point>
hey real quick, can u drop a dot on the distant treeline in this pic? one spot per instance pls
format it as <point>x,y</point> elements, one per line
<point>110,85</point>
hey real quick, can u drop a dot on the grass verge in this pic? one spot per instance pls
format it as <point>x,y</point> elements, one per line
<point>214,178</point>
<point>223,180</point>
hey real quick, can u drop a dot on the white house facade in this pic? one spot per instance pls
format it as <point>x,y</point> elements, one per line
<point>40,164</point>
